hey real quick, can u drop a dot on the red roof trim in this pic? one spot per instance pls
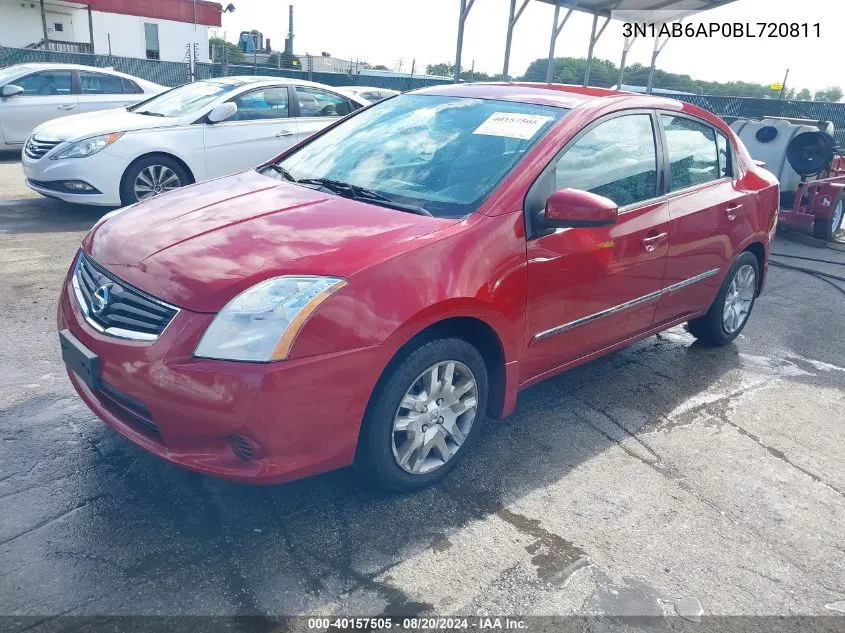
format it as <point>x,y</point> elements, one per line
<point>207,13</point>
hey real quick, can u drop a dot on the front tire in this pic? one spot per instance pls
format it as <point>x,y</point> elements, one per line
<point>729,313</point>
<point>424,414</point>
<point>151,176</point>
<point>827,229</point>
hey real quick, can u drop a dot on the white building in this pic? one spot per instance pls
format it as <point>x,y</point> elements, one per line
<point>325,63</point>
<point>154,29</point>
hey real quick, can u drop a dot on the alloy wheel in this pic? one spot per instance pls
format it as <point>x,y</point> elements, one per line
<point>154,180</point>
<point>434,417</point>
<point>739,298</point>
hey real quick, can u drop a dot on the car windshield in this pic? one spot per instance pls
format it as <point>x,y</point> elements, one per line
<point>184,99</point>
<point>8,73</point>
<point>436,155</point>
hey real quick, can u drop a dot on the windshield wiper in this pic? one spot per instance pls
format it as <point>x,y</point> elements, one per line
<point>362,194</point>
<point>284,173</point>
<point>148,113</point>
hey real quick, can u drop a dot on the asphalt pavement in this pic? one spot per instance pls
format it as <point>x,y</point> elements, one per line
<point>666,479</point>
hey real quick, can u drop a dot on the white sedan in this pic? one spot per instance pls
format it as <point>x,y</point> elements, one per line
<point>189,134</point>
<point>31,94</point>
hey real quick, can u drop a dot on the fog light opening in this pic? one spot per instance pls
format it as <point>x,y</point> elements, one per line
<point>244,448</point>
<point>78,185</point>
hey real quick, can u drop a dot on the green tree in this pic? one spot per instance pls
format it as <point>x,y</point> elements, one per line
<point>604,73</point>
<point>444,70</point>
<point>448,70</point>
<point>831,93</point>
<point>804,94</point>
<point>220,50</point>
<point>280,59</point>
<point>380,67</point>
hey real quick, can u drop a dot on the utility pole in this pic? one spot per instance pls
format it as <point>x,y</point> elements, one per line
<point>44,27</point>
<point>224,66</point>
<point>783,85</point>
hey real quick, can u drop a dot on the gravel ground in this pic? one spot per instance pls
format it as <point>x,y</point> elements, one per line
<point>664,479</point>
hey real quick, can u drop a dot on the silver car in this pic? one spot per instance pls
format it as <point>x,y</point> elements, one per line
<point>31,94</point>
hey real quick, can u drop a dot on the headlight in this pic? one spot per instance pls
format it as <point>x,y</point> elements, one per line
<point>88,146</point>
<point>261,323</point>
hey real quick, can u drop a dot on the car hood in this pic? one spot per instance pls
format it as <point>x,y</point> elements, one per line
<point>200,246</point>
<point>77,126</point>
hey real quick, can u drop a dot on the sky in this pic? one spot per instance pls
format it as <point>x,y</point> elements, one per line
<point>424,32</point>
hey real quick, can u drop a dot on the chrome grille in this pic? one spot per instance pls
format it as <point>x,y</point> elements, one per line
<point>36,147</point>
<point>114,307</point>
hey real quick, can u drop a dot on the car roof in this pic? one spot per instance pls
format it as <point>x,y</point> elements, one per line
<point>257,80</point>
<point>35,66</point>
<point>599,100</point>
<point>366,88</point>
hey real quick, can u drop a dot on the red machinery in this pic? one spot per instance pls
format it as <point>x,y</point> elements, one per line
<point>802,154</point>
<point>817,206</point>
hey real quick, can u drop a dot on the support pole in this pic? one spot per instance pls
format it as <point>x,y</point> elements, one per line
<point>466,5</point>
<point>783,85</point>
<point>594,38</point>
<point>555,32</point>
<point>512,19</point>
<point>91,29</point>
<point>629,42</point>
<point>658,48</point>
<point>44,26</point>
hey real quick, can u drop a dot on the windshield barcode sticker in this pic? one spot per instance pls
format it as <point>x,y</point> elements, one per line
<point>512,125</point>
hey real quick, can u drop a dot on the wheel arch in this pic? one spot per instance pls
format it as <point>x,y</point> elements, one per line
<point>759,251</point>
<point>184,165</point>
<point>475,331</point>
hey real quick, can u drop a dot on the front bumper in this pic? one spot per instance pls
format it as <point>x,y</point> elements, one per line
<point>102,171</point>
<point>302,416</point>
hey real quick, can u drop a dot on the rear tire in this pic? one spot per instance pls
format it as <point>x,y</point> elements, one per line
<point>827,229</point>
<point>729,313</point>
<point>150,176</point>
<point>438,393</point>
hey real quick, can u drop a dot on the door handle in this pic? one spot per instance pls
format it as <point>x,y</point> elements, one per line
<point>283,133</point>
<point>67,106</point>
<point>651,242</point>
<point>732,210</point>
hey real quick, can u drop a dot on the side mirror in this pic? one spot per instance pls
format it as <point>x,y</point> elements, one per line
<point>569,208</point>
<point>10,90</point>
<point>222,112</point>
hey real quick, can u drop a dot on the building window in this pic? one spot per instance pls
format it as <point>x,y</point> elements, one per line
<point>58,27</point>
<point>151,40</point>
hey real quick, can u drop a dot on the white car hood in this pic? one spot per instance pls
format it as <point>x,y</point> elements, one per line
<point>79,126</point>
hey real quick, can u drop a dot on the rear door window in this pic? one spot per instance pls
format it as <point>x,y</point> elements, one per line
<point>314,102</point>
<point>725,166</point>
<point>693,153</point>
<point>99,84</point>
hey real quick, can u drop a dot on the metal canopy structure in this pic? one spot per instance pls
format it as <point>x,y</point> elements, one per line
<point>648,11</point>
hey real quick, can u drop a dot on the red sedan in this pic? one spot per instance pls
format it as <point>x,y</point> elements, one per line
<point>374,293</point>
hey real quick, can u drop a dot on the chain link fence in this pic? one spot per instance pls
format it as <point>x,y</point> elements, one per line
<point>164,73</point>
<point>732,108</point>
<point>178,73</point>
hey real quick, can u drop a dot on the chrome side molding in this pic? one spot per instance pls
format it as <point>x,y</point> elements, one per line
<point>624,306</point>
